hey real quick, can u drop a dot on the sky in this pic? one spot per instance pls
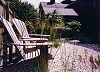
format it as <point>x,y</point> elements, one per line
<point>36,2</point>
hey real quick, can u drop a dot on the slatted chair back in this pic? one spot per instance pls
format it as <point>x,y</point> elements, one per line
<point>26,34</point>
<point>12,34</point>
<point>21,27</point>
<point>17,23</point>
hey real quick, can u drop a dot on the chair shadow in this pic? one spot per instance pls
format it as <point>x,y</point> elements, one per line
<point>30,65</point>
<point>87,45</point>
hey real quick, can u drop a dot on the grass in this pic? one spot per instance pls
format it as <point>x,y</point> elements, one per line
<point>56,44</point>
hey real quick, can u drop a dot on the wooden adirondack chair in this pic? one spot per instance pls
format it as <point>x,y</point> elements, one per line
<point>21,27</point>
<point>26,49</point>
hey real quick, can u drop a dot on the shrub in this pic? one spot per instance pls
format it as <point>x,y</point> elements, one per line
<point>72,29</point>
<point>56,44</point>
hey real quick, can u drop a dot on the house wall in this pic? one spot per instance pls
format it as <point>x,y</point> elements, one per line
<point>1,10</point>
<point>1,30</point>
<point>10,16</point>
<point>3,13</point>
<point>88,16</point>
<point>1,38</point>
<point>99,20</point>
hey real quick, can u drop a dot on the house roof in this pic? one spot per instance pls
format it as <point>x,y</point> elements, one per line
<point>55,5</point>
<point>74,3</point>
<point>61,11</point>
<point>59,8</point>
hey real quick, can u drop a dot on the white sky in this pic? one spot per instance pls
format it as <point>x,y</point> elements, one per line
<point>36,2</point>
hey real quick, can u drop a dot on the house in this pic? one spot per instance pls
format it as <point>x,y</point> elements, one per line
<point>6,13</point>
<point>68,1</point>
<point>98,3</point>
<point>88,16</point>
<point>86,10</point>
<point>49,7</point>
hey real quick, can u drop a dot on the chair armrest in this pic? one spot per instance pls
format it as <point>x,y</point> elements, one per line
<point>25,37</point>
<point>39,35</point>
<point>34,39</point>
<point>33,44</point>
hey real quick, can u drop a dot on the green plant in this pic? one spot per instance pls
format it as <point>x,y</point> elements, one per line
<point>72,29</point>
<point>22,10</point>
<point>56,44</point>
<point>30,26</point>
<point>57,25</point>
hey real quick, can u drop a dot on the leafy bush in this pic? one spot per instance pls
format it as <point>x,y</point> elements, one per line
<point>56,44</point>
<point>72,29</point>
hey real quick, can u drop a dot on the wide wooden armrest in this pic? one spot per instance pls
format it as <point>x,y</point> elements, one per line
<point>33,44</point>
<point>34,39</point>
<point>30,38</point>
<point>39,35</point>
<point>25,37</point>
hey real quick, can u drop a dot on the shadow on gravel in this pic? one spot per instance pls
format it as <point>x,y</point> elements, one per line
<point>90,46</point>
<point>31,65</point>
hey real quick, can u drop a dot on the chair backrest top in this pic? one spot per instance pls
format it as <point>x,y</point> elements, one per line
<point>10,30</point>
<point>21,27</point>
<point>16,23</point>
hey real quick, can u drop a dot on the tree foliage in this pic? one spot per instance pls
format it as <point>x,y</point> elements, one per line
<point>55,19</point>
<point>56,24</point>
<point>23,10</point>
<point>73,25</point>
<point>73,28</point>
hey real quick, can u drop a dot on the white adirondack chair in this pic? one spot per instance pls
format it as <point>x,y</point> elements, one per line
<point>20,45</point>
<point>21,27</point>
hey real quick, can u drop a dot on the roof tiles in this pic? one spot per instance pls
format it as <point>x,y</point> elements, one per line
<point>59,7</point>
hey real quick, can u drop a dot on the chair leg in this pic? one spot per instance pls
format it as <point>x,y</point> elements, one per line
<point>4,57</point>
<point>10,54</point>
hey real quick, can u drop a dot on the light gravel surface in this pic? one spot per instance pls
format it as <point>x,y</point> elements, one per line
<point>74,57</point>
<point>71,56</point>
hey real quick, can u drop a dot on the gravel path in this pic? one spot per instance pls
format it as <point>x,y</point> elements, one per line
<point>73,57</point>
<point>69,57</point>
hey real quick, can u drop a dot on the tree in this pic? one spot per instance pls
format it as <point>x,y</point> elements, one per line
<point>23,10</point>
